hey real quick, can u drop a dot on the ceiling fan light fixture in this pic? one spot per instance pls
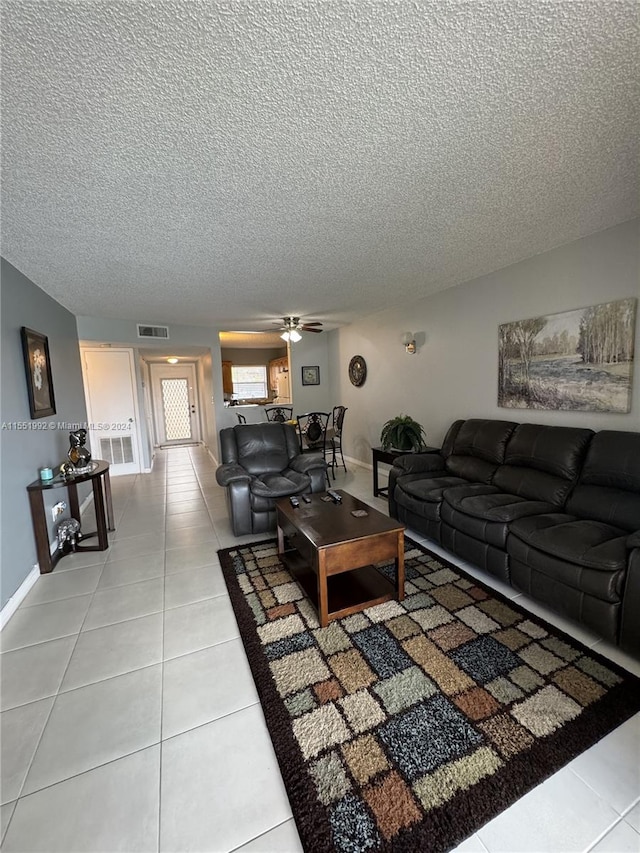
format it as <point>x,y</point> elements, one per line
<point>295,336</point>
<point>285,336</point>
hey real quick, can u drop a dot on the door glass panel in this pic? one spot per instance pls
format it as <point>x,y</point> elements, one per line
<point>175,407</point>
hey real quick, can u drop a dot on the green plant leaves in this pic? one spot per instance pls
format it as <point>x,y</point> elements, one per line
<point>403,433</point>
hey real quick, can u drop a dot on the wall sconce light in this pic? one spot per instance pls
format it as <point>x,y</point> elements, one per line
<point>409,342</point>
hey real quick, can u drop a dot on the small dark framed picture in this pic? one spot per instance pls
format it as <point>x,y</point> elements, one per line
<point>35,348</point>
<point>311,375</point>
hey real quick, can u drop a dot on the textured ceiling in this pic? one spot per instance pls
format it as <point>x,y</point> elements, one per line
<point>225,163</point>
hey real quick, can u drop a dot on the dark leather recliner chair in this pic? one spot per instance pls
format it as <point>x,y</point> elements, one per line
<point>261,463</point>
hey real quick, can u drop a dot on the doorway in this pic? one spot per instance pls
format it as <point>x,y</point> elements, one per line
<point>174,394</point>
<point>112,408</point>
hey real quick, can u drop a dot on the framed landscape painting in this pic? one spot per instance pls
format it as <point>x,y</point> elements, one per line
<point>35,348</point>
<point>580,360</point>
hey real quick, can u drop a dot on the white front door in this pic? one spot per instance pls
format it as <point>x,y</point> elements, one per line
<point>174,393</point>
<point>112,407</point>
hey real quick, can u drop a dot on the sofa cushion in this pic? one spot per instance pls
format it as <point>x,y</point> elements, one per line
<point>423,496</point>
<point>549,575</point>
<point>478,448</point>
<point>613,461</point>
<point>490,504</point>
<point>262,447</point>
<point>591,544</point>
<point>267,487</point>
<point>616,507</point>
<point>542,462</point>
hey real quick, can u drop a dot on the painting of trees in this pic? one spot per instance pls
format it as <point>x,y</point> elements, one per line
<point>573,360</point>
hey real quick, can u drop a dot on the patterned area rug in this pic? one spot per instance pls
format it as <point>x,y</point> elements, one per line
<point>408,726</point>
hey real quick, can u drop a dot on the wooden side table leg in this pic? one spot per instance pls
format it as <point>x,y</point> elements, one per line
<point>74,505</point>
<point>400,566</point>
<point>375,476</point>
<point>108,501</point>
<point>323,592</point>
<point>101,523</point>
<point>38,518</point>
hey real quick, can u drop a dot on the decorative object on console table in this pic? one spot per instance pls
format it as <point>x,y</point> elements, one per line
<point>78,454</point>
<point>68,531</point>
<point>580,360</point>
<point>311,375</point>
<point>402,433</point>
<point>35,347</point>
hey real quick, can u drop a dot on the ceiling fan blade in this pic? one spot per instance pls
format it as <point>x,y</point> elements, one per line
<point>312,323</point>
<point>309,329</point>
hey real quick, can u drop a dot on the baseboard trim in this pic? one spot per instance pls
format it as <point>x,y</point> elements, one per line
<point>359,462</point>
<point>19,595</point>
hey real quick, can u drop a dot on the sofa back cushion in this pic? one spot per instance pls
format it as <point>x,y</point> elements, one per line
<point>478,448</point>
<point>609,486</point>
<point>259,448</point>
<point>543,462</point>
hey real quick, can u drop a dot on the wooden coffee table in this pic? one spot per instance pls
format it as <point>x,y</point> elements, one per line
<point>330,553</point>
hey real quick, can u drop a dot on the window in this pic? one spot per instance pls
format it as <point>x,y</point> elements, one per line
<point>249,381</point>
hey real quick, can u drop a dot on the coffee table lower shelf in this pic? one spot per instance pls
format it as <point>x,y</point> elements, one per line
<point>348,592</point>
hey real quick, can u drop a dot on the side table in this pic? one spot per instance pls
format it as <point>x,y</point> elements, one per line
<point>101,484</point>
<point>379,454</point>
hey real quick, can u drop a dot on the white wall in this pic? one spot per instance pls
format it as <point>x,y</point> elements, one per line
<point>454,373</point>
<point>311,351</point>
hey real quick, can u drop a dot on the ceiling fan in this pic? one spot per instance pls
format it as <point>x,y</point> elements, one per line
<point>293,326</point>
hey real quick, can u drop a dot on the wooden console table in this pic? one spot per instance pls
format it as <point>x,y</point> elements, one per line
<point>101,484</point>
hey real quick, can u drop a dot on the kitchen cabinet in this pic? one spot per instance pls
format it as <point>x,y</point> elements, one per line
<point>277,366</point>
<point>227,380</point>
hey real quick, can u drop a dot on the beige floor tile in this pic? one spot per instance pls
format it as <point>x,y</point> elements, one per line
<point>96,724</point>
<point>132,570</point>
<point>205,685</point>
<point>120,603</point>
<point>20,729</point>
<point>114,807</point>
<point>43,622</point>
<point>195,585</point>
<point>197,626</point>
<point>114,650</point>
<point>213,774</point>
<point>33,672</point>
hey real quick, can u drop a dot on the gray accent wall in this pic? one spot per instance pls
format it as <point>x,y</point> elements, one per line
<point>39,442</point>
<point>454,373</point>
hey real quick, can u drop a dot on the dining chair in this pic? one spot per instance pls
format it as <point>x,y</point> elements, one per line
<point>280,414</point>
<point>312,433</point>
<point>334,436</point>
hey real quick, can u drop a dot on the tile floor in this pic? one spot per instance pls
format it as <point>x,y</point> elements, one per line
<point>130,720</point>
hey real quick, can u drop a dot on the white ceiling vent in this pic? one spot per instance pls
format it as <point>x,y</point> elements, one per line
<point>153,331</point>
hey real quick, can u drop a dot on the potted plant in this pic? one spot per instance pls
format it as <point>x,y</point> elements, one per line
<point>402,433</point>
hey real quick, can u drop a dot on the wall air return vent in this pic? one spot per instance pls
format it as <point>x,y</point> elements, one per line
<point>116,451</point>
<point>153,331</point>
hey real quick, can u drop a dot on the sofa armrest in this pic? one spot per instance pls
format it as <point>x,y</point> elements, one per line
<point>629,639</point>
<point>418,463</point>
<point>633,541</point>
<point>306,462</point>
<point>231,472</point>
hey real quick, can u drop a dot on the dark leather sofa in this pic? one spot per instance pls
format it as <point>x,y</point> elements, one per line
<point>261,463</point>
<point>553,511</point>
